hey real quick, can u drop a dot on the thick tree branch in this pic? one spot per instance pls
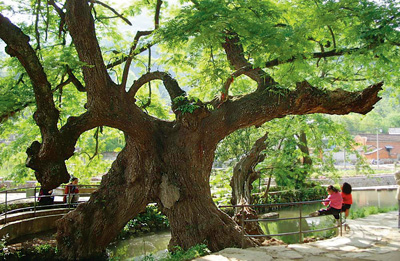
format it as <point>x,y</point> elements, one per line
<point>81,26</point>
<point>244,173</point>
<point>79,86</point>
<point>235,54</point>
<point>18,46</point>
<point>157,14</point>
<point>259,107</point>
<point>320,55</point>
<point>170,84</point>
<point>133,50</point>
<point>130,56</point>
<point>71,79</point>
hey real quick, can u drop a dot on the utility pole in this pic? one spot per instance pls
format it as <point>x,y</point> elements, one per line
<point>377,146</point>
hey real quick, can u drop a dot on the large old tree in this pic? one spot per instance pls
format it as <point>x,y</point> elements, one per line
<point>245,61</point>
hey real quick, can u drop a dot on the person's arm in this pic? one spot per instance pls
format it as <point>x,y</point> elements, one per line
<point>327,200</point>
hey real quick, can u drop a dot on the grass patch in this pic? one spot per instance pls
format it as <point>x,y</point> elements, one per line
<point>181,255</point>
<point>366,211</point>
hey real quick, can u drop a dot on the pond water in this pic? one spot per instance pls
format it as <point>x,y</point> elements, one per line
<point>154,243</point>
<point>135,248</point>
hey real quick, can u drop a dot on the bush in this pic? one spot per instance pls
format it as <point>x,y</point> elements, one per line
<point>286,196</point>
<point>181,255</point>
<point>149,221</point>
<point>366,211</point>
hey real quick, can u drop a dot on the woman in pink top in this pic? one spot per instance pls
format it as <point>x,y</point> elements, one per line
<point>333,201</point>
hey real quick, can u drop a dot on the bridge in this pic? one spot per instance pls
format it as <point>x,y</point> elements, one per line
<point>23,214</point>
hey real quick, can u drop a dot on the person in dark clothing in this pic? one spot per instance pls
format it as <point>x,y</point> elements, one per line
<point>45,197</point>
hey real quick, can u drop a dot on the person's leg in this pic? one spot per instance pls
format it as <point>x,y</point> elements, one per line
<point>324,212</point>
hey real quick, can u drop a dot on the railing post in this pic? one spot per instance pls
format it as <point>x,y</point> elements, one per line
<point>242,224</point>
<point>69,197</point>
<point>5,215</point>
<point>34,204</point>
<point>300,228</point>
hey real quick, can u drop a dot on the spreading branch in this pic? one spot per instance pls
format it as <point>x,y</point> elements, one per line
<point>112,10</point>
<point>138,35</point>
<point>257,108</point>
<point>157,14</point>
<point>37,34</point>
<point>18,46</point>
<point>129,58</point>
<point>79,86</point>
<point>333,37</point>
<point>318,55</point>
<point>124,58</point>
<point>82,30</point>
<point>62,17</point>
<point>230,80</point>
<point>71,79</point>
<point>170,84</point>
<point>235,55</point>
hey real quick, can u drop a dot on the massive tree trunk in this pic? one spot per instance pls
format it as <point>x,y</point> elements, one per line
<point>244,174</point>
<point>174,173</point>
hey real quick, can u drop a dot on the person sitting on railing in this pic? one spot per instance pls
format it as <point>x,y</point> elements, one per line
<point>347,198</point>
<point>71,191</point>
<point>334,202</point>
<point>45,197</point>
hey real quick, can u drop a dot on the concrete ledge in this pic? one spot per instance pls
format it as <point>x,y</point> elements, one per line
<point>30,214</point>
<point>29,226</point>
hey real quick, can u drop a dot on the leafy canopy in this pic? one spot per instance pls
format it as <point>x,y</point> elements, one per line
<point>188,44</point>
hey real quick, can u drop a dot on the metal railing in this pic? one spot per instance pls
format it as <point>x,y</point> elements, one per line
<point>301,216</point>
<point>15,201</point>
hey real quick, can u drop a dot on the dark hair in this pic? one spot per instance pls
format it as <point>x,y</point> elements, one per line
<point>331,187</point>
<point>346,188</point>
<point>73,179</point>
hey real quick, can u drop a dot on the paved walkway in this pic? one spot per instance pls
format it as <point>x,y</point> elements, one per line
<point>375,237</point>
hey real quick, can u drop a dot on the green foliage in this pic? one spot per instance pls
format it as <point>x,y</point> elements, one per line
<point>283,30</point>
<point>189,44</point>
<point>3,242</point>
<point>14,206</point>
<point>384,116</point>
<point>285,160</point>
<point>371,210</point>
<point>185,104</point>
<point>44,249</point>
<point>179,254</point>
<point>286,196</point>
<point>220,189</point>
<point>149,221</point>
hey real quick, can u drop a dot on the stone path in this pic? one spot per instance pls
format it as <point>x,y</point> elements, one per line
<point>375,237</point>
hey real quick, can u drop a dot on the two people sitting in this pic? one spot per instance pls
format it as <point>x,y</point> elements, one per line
<point>337,202</point>
<point>71,193</point>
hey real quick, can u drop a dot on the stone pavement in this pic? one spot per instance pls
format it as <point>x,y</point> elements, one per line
<point>375,237</point>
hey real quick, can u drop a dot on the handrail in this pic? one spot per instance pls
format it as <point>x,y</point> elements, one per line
<point>35,200</point>
<point>300,232</point>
